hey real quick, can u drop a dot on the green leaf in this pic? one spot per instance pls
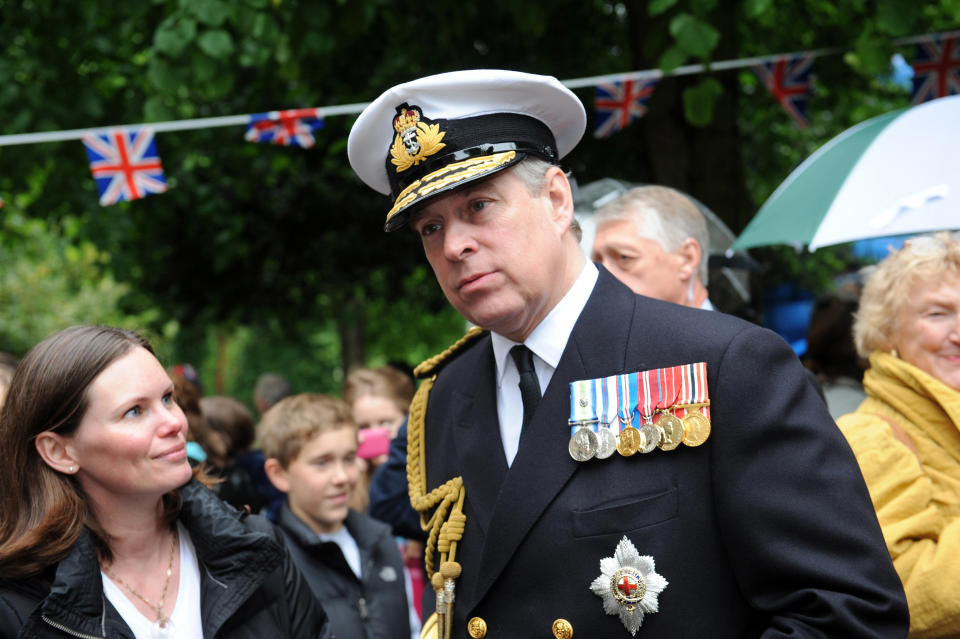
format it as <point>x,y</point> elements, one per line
<point>694,36</point>
<point>753,9</point>
<point>896,18</point>
<point>672,58</point>
<point>218,87</point>
<point>163,76</point>
<point>210,12</point>
<point>872,53</point>
<point>702,7</point>
<point>173,37</point>
<point>656,7</point>
<point>154,110</point>
<point>699,100</point>
<point>216,43</point>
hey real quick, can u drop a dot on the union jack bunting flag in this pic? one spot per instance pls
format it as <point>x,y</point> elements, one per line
<point>293,127</point>
<point>617,104</point>
<point>125,164</point>
<point>789,81</point>
<point>936,68</point>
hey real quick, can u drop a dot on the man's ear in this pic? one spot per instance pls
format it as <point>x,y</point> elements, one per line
<point>276,474</point>
<point>557,190</point>
<point>55,452</point>
<point>690,256</point>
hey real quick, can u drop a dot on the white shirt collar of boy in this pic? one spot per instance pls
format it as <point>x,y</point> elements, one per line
<point>348,546</point>
<point>547,342</point>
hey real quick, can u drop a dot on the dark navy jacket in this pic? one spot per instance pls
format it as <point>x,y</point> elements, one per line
<point>766,530</point>
<point>374,607</point>
<point>249,586</point>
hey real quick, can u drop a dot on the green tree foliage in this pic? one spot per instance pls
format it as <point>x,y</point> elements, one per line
<point>49,282</point>
<point>286,243</point>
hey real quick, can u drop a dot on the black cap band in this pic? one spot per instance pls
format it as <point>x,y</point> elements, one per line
<point>478,136</point>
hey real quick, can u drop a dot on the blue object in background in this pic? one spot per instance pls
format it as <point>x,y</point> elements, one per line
<point>877,248</point>
<point>786,311</point>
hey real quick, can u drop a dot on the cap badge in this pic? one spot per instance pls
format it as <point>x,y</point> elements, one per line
<point>416,140</point>
<point>628,585</point>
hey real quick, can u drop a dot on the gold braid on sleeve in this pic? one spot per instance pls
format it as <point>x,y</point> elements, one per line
<point>447,522</point>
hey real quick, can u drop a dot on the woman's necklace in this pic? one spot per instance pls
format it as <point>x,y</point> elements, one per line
<point>163,626</point>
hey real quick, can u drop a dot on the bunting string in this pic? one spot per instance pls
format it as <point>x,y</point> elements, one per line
<point>126,165</point>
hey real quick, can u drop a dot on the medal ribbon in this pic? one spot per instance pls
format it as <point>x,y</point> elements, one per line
<point>605,392</point>
<point>627,393</point>
<point>582,405</point>
<point>666,389</point>
<point>645,403</point>
<point>698,372</point>
<point>693,387</point>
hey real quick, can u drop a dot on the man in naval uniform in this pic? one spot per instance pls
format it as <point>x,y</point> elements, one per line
<point>590,461</point>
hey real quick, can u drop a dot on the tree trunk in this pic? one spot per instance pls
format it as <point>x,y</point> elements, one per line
<point>351,326</point>
<point>679,154</point>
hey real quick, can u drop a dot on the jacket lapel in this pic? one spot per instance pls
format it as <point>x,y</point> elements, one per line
<point>543,465</point>
<point>479,449</point>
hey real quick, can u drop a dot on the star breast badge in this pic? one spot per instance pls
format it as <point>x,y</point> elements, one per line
<point>629,585</point>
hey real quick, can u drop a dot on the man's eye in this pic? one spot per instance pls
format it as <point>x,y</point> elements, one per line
<point>477,205</point>
<point>428,229</point>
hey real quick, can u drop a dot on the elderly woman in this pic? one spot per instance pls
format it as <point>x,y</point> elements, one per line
<point>906,434</point>
<point>104,532</point>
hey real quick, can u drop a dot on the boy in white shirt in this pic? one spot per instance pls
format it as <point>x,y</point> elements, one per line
<point>350,560</point>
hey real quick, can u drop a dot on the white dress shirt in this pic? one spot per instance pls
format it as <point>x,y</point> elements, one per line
<point>547,342</point>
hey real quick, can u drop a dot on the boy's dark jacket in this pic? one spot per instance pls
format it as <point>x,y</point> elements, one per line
<point>372,608</point>
<point>249,587</point>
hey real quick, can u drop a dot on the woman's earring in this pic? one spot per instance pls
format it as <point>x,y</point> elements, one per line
<point>73,468</point>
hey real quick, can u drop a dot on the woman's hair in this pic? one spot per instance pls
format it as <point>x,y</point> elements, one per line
<point>385,381</point>
<point>188,394</point>
<point>42,511</point>
<point>889,284</point>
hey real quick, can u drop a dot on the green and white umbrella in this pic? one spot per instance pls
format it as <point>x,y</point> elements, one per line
<point>895,174</point>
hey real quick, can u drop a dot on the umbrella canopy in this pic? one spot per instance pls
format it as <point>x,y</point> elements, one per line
<point>895,174</point>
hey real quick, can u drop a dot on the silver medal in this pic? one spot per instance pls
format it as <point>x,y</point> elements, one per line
<point>651,437</point>
<point>583,444</point>
<point>606,443</point>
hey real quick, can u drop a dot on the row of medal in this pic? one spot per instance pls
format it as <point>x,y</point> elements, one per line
<point>670,405</point>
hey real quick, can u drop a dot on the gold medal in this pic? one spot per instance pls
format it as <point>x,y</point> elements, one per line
<point>562,629</point>
<point>630,441</point>
<point>672,429</point>
<point>696,428</point>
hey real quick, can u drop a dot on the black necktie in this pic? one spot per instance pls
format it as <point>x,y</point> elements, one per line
<point>529,385</point>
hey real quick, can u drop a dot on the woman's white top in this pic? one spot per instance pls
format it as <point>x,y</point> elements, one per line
<point>185,622</point>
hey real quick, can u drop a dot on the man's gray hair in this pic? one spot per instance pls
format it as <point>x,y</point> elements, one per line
<point>271,388</point>
<point>532,171</point>
<point>664,215</point>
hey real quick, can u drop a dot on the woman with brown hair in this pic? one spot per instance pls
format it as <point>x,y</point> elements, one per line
<point>109,534</point>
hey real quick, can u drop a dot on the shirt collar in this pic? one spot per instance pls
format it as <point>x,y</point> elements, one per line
<point>549,338</point>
